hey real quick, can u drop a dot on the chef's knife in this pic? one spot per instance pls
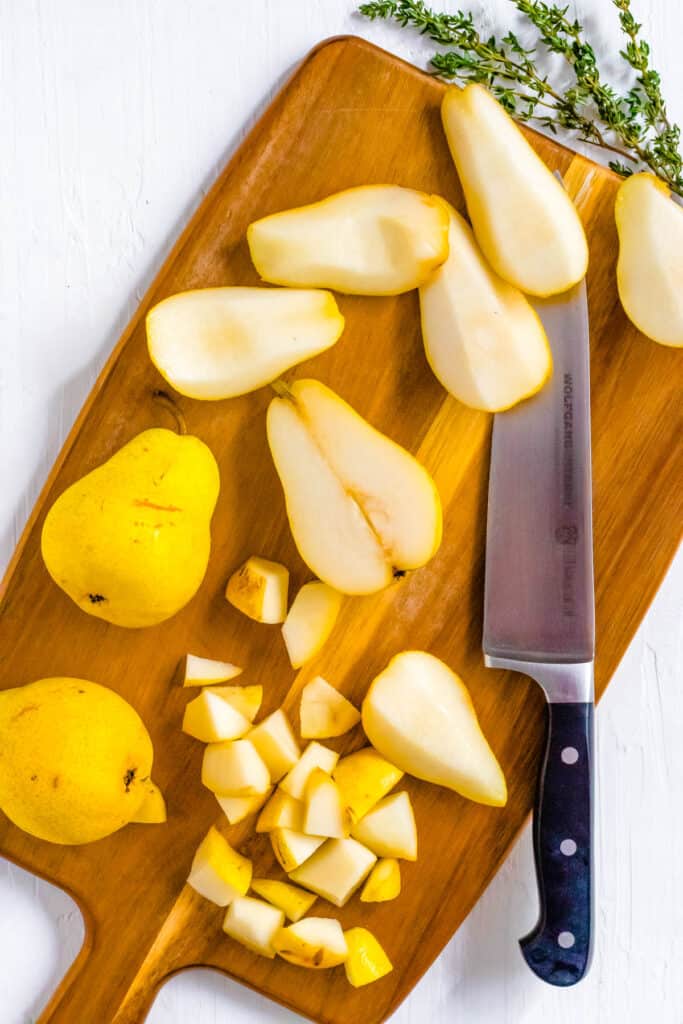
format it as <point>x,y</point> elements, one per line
<point>539,620</point>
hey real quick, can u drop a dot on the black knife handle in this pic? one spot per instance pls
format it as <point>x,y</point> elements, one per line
<point>559,948</point>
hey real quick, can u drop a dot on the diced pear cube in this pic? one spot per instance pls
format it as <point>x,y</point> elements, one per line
<point>235,768</point>
<point>366,961</point>
<point>325,813</point>
<point>384,882</point>
<point>364,778</point>
<point>211,719</point>
<point>245,699</point>
<point>316,942</point>
<point>259,590</point>
<point>281,811</point>
<point>294,902</point>
<point>324,711</point>
<point>254,924</point>
<point>205,671</point>
<point>389,829</point>
<point>335,870</point>
<point>237,808</point>
<point>310,621</point>
<point>293,848</point>
<point>314,756</point>
<point>276,743</point>
<point>218,872</point>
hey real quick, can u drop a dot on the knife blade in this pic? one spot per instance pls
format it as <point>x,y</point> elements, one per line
<point>539,620</point>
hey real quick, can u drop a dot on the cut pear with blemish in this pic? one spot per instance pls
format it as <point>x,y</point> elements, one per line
<point>526,224</point>
<point>371,240</point>
<point>221,342</point>
<point>316,942</point>
<point>419,714</point>
<point>293,848</point>
<point>483,339</point>
<point>650,265</point>
<point>259,589</point>
<point>360,507</point>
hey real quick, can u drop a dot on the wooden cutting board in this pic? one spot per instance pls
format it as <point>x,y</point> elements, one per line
<point>351,115</point>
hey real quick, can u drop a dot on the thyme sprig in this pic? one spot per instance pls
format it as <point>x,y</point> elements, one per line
<point>633,126</point>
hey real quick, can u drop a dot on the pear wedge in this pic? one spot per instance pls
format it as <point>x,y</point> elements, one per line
<point>526,224</point>
<point>371,240</point>
<point>222,342</point>
<point>419,714</point>
<point>650,265</point>
<point>360,507</point>
<point>483,339</point>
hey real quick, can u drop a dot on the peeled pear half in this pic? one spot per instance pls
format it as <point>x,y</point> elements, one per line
<point>482,338</point>
<point>370,240</point>
<point>419,715</point>
<point>221,342</point>
<point>360,507</point>
<point>650,265</point>
<point>526,224</point>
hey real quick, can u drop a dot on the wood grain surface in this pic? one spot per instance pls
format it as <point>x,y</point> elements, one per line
<point>351,115</point>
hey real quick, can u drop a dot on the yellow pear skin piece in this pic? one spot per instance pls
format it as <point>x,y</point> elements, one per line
<point>316,942</point>
<point>371,240</point>
<point>152,810</point>
<point>384,882</point>
<point>75,760</point>
<point>419,713</point>
<point>483,339</point>
<point>325,712</point>
<point>217,343</point>
<point>364,777</point>
<point>259,589</point>
<point>129,542</point>
<point>281,811</point>
<point>360,507</point>
<point>293,848</point>
<point>650,264</point>
<point>367,961</point>
<point>524,221</point>
<point>218,872</point>
<point>290,899</point>
<point>310,621</point>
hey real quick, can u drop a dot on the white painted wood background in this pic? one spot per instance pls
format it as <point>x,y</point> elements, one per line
<point>115,116</point>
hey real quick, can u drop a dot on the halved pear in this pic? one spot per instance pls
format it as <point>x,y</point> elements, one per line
<point>290,899</point>
<point>245,699</point>
<point>206,672</point>
<point>312,942</point>
<point>293,848</point>
<point>325,813</point>
<point>235,768</point>
<point>483,339</point>
<point>275,741</point>
<point>526,224</point>
<point>324,711</point>
<point>316,755</point>
<point>221,342</point>
<point>218,872</point>
<point>152,810</point>
<point>360,507</point>
<point>211,719</point>
<point>364,777</point>
<point>259,589</point>
<point>650,264</point>
<point>367,961</point>
<point>336,870</point>
<point>237,808</point>
<point>310,621</point>
<point>384,882</point>
<point>419,714</point>
<point>281,811</point>
<point>370,240</point>
<point>389,829</point>
<point>254,924</point>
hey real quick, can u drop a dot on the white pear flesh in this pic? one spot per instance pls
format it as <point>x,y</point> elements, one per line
<point>206,672</point>
<point>325,814</point>
<point>254,924</point>
<point>259,589</point>
<point>371,240</point>
<point>211,719</point>
<point>316,942</point>
<point>245,699</point>
<point>310,621</point>
<point>293,848</point>
<point>336,870</point>
<point>218,872</point>
<point>316,755</point>
<point>359,505</point>
<point>483,339</point>
<point>216,343</point>
<point>235,768</point>
<point>525,223</point>
<point>237,808</point>
<point>324,711</point>
<point>650,264</point>
<point>389,829</point>
<point>419,714</point>
<point>275,741</point>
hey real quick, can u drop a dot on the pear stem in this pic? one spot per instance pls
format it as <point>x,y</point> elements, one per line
<point>281,389</point>
<point>171,406</point>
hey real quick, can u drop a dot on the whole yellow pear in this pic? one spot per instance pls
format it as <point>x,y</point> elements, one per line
<point>129,542</point>
<point>75,760</point>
